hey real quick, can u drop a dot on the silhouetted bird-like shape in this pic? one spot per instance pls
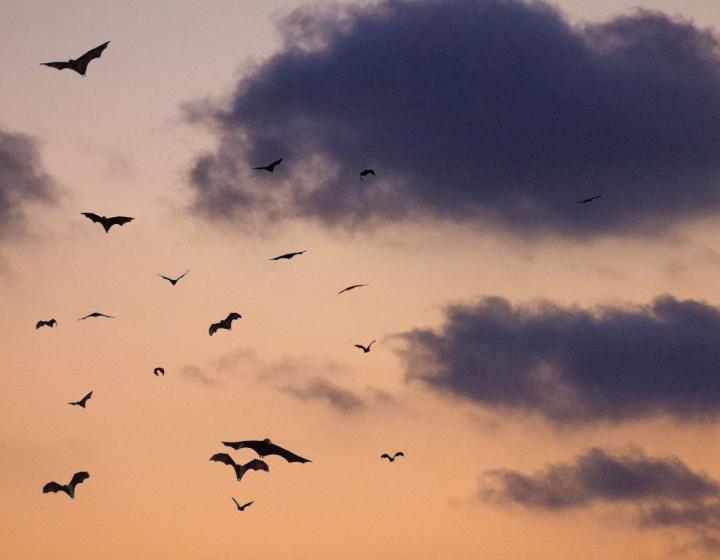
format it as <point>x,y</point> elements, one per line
<point>173,281</point>
<point>391,459</point>
<point>366,172</point>
<point>82,402</point>
<point>240,470</point>
<point>269,167</point>
<point>51,323</point>
<point>95,314</point>
<point>226,323</point>
<point>287,256</point>
<point>69,489</point>
<point>351,288</point>
<point>158,371</point>
<point>242,507</point>
<point>586,200</point>
<point>365,349</point>
<point>80,64</point>
<point>266,447</point>
<point>107,223</point>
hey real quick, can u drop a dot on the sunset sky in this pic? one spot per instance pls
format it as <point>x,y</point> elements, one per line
<point>551,370</point>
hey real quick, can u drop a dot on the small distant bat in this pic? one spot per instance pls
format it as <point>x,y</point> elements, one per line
<point>240,470</point>
<point>69,489</point>
<point>51,323</point>
<point>266,447</point>
<point>226,323</point>
<point>391,459</point>
<point>366,172</point>
<point>365,349</point>
<point>287,256</point>
<point>586,200</point>
<point>173,281</point>
<point>95,314</point>
<point>81,63</point>
<point>82,402</point>
<point>270,167</point>
<point>158,371</point>
<point>107,223</point>
<point>242,507</point>
<point>351,288</point>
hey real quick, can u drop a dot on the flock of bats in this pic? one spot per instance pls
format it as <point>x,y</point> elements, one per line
<point>262,448</point>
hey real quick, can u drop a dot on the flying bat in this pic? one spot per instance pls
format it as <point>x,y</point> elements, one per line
<point>287,256</point>
<point>81,63</point>
<point>270,167</point>
<point>107,223</point>
<point>240,470</point>
<point>366,172</point>
<point>173,281</point>
<point>365,349</point>
<point>391,459</point>
<point>226,323</point>
<point>158,371</point>
<point>82,402</point>
<point>586,200</point>
<point>266,447</point>
<point>95,314</point>
<point>51,323</point>
<point>242,507</point>
<point>69,489</point>
<point>351,288</point>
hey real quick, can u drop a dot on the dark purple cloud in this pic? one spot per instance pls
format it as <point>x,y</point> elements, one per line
<point>319,388</point>
<point>574,365</point>
<point>490,112</point>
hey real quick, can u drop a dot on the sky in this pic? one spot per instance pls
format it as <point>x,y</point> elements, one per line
<point>549,369</point>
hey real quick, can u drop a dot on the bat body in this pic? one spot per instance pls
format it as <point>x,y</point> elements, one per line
<point>80,64</point>
<point>287,256</point>
<point>393,457</point>
<point>226,323</point>
<point>240,470</point>
<point>586,200</point>
<point>51,323</point>
<point>266,447</point>
<point>95,314</point>
<point>366,172</point>
<point>351,288</point>
<point>158,371</point>
<point>82,402</point>
<point>242,507</point>
<point>270,167</point>
<point>107,223</point>
<point>69,488</point>
<point>365,349</point>
<point>173,281</point>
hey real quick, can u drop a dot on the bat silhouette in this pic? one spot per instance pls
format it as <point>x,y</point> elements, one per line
<point>95,314</point>
<point>158,371</point>
<point>365,349</point>
<point>51,323</point>
<point>226,323</point>
<point>586,200</point>
<point>287,256</point>
<point>69,489</point>
<point>81,63</point>
<point>366,172</point>
<point>391,459</point>
<point>242,507</point>
<point>173,281</point>
<point>270,167</point>
<point>266,447</point>
<point>107,223</point>
<point>82,402</point>
<point>240,470</point>
<point>351,288</point>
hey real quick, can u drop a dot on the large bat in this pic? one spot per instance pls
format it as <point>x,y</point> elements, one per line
<point>393,457</point>
<point>107,223</point>
<point>242,507</point>
<point>51,323</point>
<point>240,470</point>
<point>287,256</point>
<point>266,447</point>
<point>69,489</point>
<point>226,323</point>
<point>270,166</point>
<point>173,281</point>
<point>95,314</point>
<point>365,349</point>
<point>80,64</point>
<point>82,402</point>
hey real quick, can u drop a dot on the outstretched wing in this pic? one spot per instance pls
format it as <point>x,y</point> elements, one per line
<point>78,477</point>
<point>275,164</point>
<point>83,61</point>
<point>242,507</point>
<point>118,221</point>
<point>94,217</point>
<point>86,398</point>
<point>256,465</point>
<point>351,288</point>
<point>58,65</point>
<point>360,346</point>
<point>231,317</point>
<point>289,456</point>
<point>223,458</point>
<point>165,277</point>
<point>181,276</point>
<point>215,326</point>
<point>53,487</point>
<point>399,454</point>
<point>386,456</point>
<point>40,324</point>
<point>255,445</point>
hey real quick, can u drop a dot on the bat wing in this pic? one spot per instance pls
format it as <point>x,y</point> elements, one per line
<point>58,65</point>
<point>39,324</point>
<point>94,217</point>
<point>257,465</point>
<point>83,61</point>
<point>275,163</point>
<point>386,456</point>
<point>87,397</point>
<point>53,487</point>
<point>231,317</point>
<point>182,275</point>
<point>236,503</point>
<point>79,477</point>
<point>215,326</point>
<point>289,456</point>
<point>223,458</point>
<point>360,346</point>
<point>242,508</point>
<point>118,221</point>
<point>255,445</point>
<point>399,454</point>
<point>165,277</point>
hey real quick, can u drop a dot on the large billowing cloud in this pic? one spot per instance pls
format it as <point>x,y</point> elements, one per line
<point>574,365</point>
<point>490,112</point>
<point>22,180</point>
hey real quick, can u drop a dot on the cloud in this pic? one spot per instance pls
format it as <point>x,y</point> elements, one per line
<point>322,389</point>
<point>197,374</point>
<point>496,113</point>
<point>23,180</point>
<point>574,365</point>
